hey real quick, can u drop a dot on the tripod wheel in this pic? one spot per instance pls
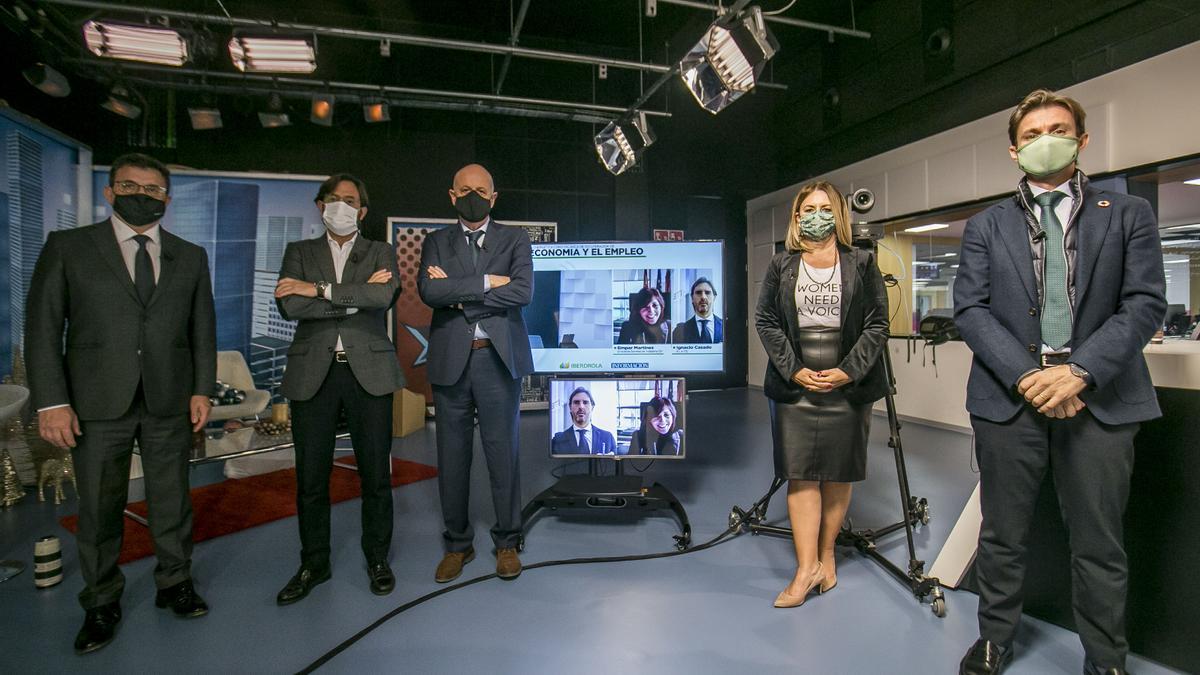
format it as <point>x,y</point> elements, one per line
<point>938,606</point>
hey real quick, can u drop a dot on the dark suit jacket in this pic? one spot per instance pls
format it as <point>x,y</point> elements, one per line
<point>689,331</point>
<point>1120,302</point>
<point>370,352</point>
<point>671,444</point>
<point>566,442</point>
<point>506,251</point>
<point>864,326</point>
<point>113,342</point>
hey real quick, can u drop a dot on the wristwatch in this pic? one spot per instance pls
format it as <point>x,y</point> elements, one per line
<point>321,286</point>
<point>1079,372</point>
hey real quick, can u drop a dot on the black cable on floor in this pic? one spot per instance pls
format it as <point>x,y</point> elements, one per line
<point>327,656</point>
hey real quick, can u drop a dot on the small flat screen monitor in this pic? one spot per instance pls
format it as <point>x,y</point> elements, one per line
<point>618,418</point>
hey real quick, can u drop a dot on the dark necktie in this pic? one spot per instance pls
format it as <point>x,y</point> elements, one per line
<point>143,270</point>
<point>473,238</point>
<point>584,448</point>
<point>705,335</point>
<point>1056,310</point>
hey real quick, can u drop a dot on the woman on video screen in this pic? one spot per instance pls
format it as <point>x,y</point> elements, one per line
<point>822,318</point>
<point>660,433</point>
<point>646,323</point>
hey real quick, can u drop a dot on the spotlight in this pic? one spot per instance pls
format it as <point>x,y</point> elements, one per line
<point>135,43</point>
<point>204,119</point>
<point>274,53</point>
<point>119,102</point>
<point>727,61</point>
<point>48,80</point>
<point>322,110</point>
<point>274,116</point>
<point>617,150</point>
<point>376,111</point>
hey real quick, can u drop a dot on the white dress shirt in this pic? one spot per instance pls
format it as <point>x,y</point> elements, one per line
<point>1063,211</point>
<point>341,253</point>
<point>129,248</point>
<point>480,333</point>
<point>587,434</point>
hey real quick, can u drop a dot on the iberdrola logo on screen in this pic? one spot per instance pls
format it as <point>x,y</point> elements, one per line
<point>567,365</point>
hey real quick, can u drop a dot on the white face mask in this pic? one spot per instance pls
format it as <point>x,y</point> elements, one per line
<point>340,218</point>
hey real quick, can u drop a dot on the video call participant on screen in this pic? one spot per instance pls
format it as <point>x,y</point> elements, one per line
<point>660,433</point>
<point>704,327</point>
<point>339,286</point>
<point>646,324</point>
<point>582,438</point>
<point>477,275</point>
<point>139,364</point>
<point>822,318</point>
<point>1059,290</point>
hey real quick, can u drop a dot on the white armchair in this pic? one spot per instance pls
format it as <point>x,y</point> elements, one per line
<point>233,371</point>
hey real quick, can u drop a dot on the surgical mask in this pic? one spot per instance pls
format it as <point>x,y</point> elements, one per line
<point>1047,154</point>
<point>139,210</point>
<point>340,218</point>
<point>472,207</point>
<point>817,225</point>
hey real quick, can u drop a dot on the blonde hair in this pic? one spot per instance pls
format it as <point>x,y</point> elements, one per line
<point>1040,98</point>
<point>841,216</point>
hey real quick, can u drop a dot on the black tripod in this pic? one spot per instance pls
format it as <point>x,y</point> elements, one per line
<point>915,510</point>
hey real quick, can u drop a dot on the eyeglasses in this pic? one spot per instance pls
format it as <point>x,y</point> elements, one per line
<point>128,187</point>
<point>349,201</point>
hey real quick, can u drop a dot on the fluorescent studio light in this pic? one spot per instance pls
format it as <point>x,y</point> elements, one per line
<point>280,54</point>
<point>927,228</point>
<point>618,150</point>
<point>1194,181</point>
<point>727,61</point>
<point>135,43</point>
<point>204,119</point>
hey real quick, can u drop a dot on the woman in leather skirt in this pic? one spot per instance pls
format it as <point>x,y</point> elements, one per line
<point>822,318</point>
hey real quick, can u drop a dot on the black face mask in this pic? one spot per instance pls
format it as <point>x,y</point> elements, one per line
<point>472,207</point>
<point>139,210</point>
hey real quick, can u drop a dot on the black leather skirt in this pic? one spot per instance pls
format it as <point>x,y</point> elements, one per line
<point>822,436</point>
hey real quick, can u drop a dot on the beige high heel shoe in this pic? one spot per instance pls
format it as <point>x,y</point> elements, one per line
<point>785,600</point>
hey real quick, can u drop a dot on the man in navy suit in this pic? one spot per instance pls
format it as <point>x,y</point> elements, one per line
<point>583,438</point>
<point>477,275</point>
<point>1059,289</point>
<point>705,326</point>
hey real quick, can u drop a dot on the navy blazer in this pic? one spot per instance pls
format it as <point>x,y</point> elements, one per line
<point>566,442</point>
<point>689,331</point>
<point>459,302</point>
<point>1120,303</point>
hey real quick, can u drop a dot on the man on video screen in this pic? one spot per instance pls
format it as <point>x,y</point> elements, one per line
<point>704,327</point>
<point>583,438</point>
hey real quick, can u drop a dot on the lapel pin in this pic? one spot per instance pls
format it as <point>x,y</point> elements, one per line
<point>1104,203</point>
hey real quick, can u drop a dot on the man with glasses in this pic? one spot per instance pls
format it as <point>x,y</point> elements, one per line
<point>139,363</point>
<point>339,286</point>
<point>477,275</point>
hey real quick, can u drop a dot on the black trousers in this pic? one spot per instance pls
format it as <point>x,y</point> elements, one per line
<point>102,457</point>
<point>1091,464</point>
<point>314,428</point>
<point>488,390</point>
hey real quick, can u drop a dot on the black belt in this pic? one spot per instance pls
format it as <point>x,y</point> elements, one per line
<point>1054,358</point>
<point>340,357</point>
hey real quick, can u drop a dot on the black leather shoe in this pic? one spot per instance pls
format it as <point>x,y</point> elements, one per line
<point>182,599</point>
<point>1090,668</point>
<point>99,628</point>
<point>299,586</point>
<point>985,658</point>
<point>382,579</point>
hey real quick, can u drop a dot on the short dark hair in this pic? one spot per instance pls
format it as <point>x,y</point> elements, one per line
<point>138,160</point>
<point>702,280</point>
<point>1040,98</point>
<point>643,298</point>
<point>336,179</point>
<point>581,390</point>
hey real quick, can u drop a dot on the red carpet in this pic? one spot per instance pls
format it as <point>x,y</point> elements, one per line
<point>236,504</point>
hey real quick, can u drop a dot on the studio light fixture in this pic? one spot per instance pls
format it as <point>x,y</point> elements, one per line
<point>376,111</point>
<point>119,102</point>
<point>274,53</point>
<point>726,62</point>
<point>147,44</point>
<point>926,228</point>
<point>205,119</point>
<point>274,116</point>
<point>1194,181</point>
<point>619,150</point>
<point>48,80</point>
<point>322,110</point>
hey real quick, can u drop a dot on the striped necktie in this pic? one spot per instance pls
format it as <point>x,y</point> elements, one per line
<point>1056,308</point>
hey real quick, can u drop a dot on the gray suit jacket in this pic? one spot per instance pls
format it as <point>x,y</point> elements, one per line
<point>81,285</point>
<point>371,354</point>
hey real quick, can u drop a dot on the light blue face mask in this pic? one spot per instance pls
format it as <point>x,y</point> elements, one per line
<point>817,225</point>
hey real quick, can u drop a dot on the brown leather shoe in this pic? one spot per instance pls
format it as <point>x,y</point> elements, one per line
<point>451,566</point>
<point>508,565</point>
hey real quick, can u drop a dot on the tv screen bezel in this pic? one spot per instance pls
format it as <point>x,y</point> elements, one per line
<point>681,421</point>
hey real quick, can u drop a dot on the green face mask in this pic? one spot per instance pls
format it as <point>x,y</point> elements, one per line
<point>1047,154</point>
<point>817,225</point>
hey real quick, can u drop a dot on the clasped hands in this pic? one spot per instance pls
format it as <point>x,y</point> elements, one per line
<point>307,289</point>
<point>821,380</point>
<point>1053,391</point>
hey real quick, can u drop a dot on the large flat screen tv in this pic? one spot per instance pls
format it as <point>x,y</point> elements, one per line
<point>618,418</point>
<point>628,307</point>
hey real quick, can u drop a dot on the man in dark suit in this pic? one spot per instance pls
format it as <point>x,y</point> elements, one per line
<point>704,326</point>
<point>1058,290</point>
<point>139,364</point>
<point>582,438</point>
<point>339,286</point>
<point>477,275</point>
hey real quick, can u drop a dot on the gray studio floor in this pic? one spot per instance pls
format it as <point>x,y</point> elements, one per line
<point>704,612</point>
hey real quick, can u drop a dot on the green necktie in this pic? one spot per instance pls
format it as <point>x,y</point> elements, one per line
<point>1056,310</point>
<point>473,240</point>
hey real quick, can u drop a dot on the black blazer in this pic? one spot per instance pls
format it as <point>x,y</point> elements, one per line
<point>81,285</point>
<point>864,326</point>
<point>506,251</point>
